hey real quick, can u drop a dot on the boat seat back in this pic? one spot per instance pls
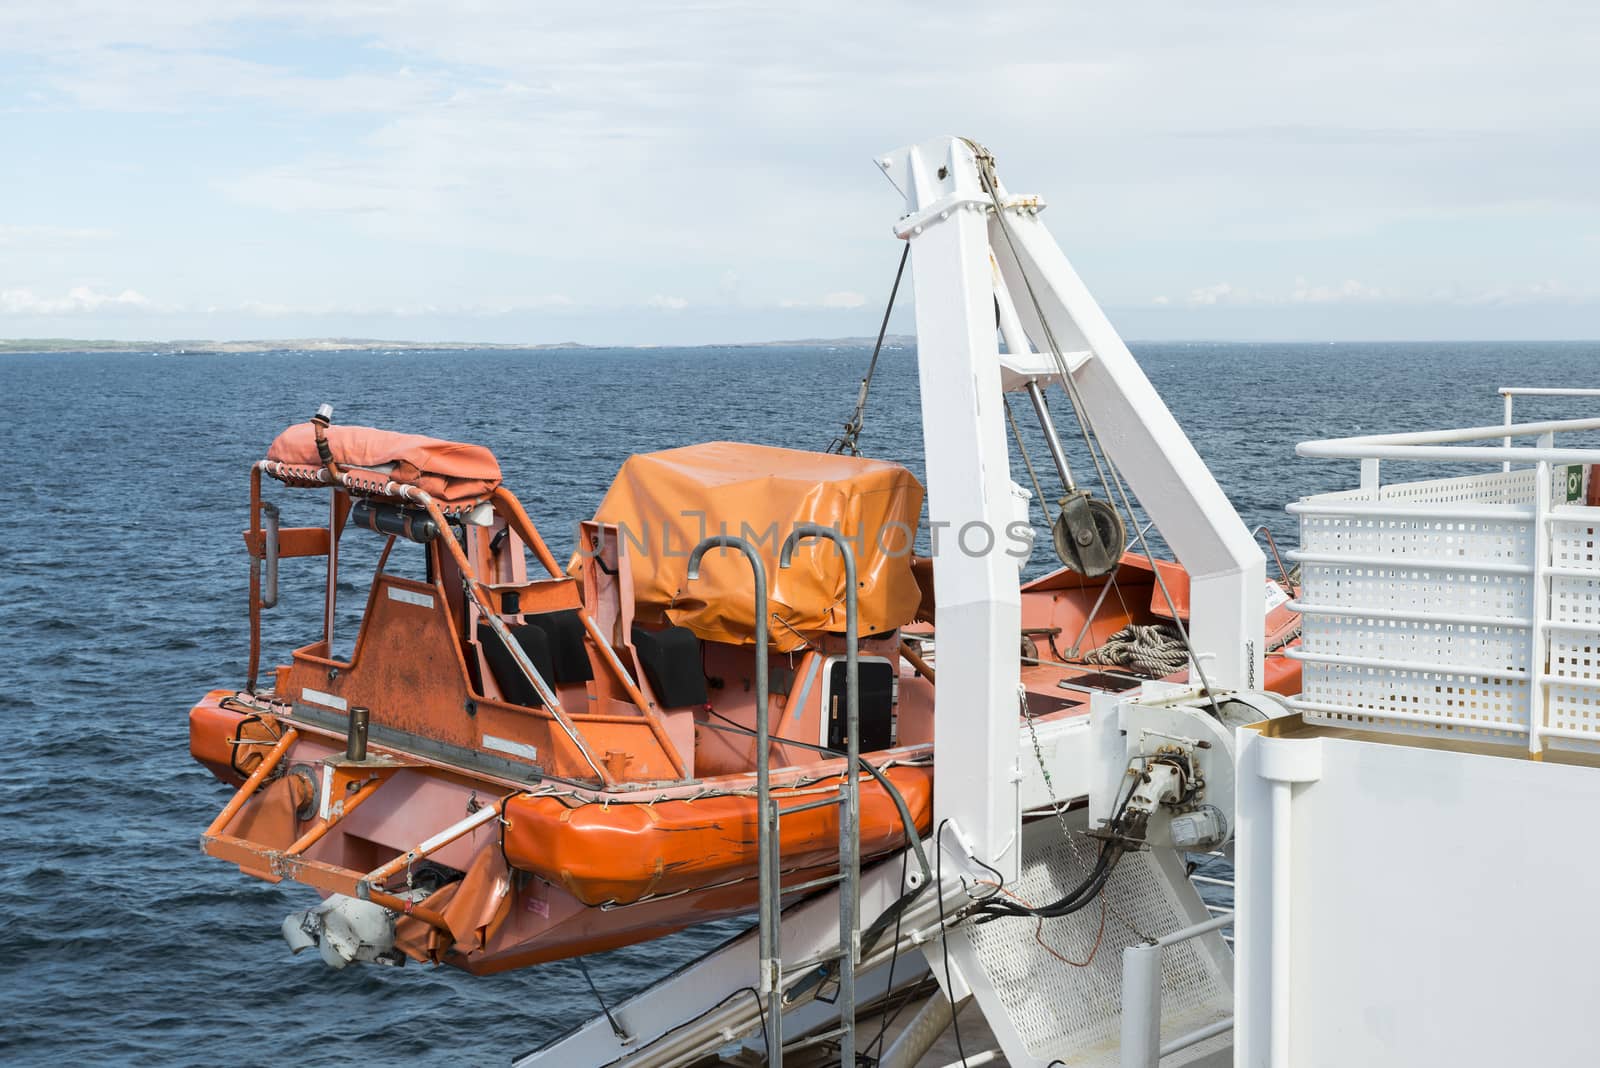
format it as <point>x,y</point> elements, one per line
<point>569,651</point>
<point>514,685</point>
<point>672,661</point>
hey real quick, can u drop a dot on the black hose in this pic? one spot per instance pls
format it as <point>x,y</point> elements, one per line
<point>944,944</point>
<point>1080,896</point>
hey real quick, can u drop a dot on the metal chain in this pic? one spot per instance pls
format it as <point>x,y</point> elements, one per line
<point>1044,771</point>
<point>1061,815</point>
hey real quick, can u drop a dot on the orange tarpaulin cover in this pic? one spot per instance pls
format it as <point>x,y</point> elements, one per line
<point>448,471</point>
<point>666,502</point>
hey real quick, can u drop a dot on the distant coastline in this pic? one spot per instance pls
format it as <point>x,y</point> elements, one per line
<point>357,344</point>
<point>45,346</point>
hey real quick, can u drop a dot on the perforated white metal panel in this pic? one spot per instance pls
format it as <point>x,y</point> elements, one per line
<point>1411,590</point>
<point>1499,487</point>
<point>1423,611</point>
<point>1073,1012</point>
<point>1411,536</point>
<point>1573,668</point>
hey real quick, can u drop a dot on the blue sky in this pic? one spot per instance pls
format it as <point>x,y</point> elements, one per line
<point>657,173</point>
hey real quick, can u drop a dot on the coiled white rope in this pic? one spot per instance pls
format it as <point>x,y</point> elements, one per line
<point>1155,649</point>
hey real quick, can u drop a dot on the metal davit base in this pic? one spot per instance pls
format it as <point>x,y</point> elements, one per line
<point>1060,996</point>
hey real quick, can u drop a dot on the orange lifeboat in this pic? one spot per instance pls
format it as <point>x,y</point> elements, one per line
<point>613,854</point>
<point>525,766</point>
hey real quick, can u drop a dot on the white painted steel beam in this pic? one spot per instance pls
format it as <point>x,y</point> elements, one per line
<point>979,603</point>
<point>1227,571</point>
<point>968,260</point>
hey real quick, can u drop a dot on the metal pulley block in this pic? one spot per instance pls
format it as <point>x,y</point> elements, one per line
<point>1089,535</point>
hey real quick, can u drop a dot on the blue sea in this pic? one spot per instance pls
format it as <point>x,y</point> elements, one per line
<point>122,600</point>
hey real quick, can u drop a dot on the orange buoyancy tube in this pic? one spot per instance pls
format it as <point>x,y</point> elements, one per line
<point>624,851</point>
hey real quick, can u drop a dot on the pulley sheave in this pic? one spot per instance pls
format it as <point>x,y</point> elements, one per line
<point>1089,535</point>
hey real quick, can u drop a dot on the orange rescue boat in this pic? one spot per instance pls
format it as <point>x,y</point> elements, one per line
<point>522,763</point>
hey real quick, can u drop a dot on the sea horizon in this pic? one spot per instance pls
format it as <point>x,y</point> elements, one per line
<point>180,346</point>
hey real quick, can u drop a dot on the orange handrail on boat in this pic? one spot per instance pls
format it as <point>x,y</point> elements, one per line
<point>262,770</point>
<point>474,588</point>
<point>552,703</point>
<point>381,874</point>
<point>351,803</point>
<point>526,530</point>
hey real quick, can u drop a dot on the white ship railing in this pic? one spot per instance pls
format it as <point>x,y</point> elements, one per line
<point>1466,605</point>
<point>1141,999</point>
<point>1511,393</point>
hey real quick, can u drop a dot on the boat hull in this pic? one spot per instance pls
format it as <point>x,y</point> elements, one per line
<point>623,853</point>
<point>554,874</point>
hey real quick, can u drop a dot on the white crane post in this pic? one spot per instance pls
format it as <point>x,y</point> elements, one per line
<point>1227,571</point>
<point>978,602</point>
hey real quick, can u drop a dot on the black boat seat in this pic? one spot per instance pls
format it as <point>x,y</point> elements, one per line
<point>671,658</point>
<point>514,685</point>
<point>569,650</point>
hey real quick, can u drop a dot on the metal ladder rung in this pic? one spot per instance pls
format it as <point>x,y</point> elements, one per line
<point>817,965</point>
<point>826,880</point>
<point>824,802</point>
<point>770,811</point>
<point>815,1040</point>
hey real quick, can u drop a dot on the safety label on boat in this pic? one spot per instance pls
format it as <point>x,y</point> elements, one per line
<point>1275,595</point>
<point>1574,482</point>
<point>317,697</point>
<point>422,600</point>
<point>506,745</point>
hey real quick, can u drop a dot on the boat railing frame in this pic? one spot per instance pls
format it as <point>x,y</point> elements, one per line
<point>264,546</point>
<point>1511,393</point>
<point>333,878</point>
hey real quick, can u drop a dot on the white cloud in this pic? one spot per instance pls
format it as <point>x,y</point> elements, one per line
<point>86,300</point>
<point>1343,293</point>
<point>732,141</point>
<point>1217,293</point>
<point>137,80</point>
<point>542,302</point>
<point>1547,292</point>
<point>1351,291</point>
<point>484,310</point>
<point>49,237</point>
<point>827,300</point>
<point>667,303</point>
<point>78,301</point>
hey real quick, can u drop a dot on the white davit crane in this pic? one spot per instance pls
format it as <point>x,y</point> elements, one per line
<point>977,250</point>
<point>1413,872</point>
<point>1014,799</point>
